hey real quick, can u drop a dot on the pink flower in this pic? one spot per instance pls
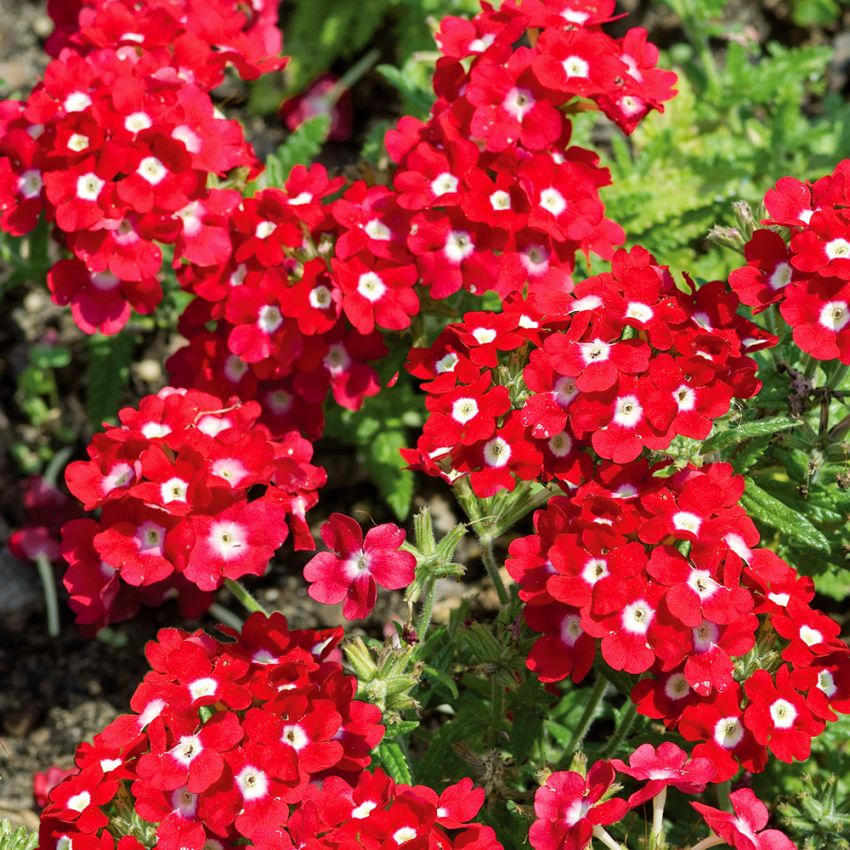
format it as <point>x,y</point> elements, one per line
<point>354,567</point>
<point>744,830</point>
<point>668,765</point>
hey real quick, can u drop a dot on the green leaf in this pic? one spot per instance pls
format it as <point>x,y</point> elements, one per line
<point>417,99</point>
<point>769,510</point>
<point>386,467</point>
<point>20,838</point>
<point>107,375</point>
<point>440,678</point>
<point>301,148</point>
<point>391,757</point>
<point>398,730</point>
<point>738,433</point>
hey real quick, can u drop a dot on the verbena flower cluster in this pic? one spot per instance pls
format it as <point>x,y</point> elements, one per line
<point>254,737</point>
<point>191,491</point>
<point>643,569</point>
<point>800,261</point>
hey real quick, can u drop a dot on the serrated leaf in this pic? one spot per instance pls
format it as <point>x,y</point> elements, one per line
<point>301,148</point>
<point>417,101</point>
<point>769,510</point>
<point>107,375</point>
<point>17,838</point>
<point>391,758</point>
<point>748,430</point>
<point>398,730</point>
<point>386,467</point>
<point>438,677</point>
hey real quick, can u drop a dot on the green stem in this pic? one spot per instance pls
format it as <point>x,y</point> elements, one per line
<point>48,583</point>
<point>352,75</point>
<point>607,839</point>
<point>591,708</point>
<point>711,841</point>
<point>658,802</point>
<point>622,730</point>
<point>811,367</point>
<point>427,608</point>
<point>489,558</point>
<point>247,600</point>
<point>226,616</point>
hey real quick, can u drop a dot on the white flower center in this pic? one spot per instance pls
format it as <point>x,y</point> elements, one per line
<point>497,452</point>
<point>826,683</point>
<point>185,802</point>
<point>78,142</point>
<point>79,802</point>
<point>357,565</point>
<point>108,765</point>
<point>837,249</point>
<point>188,748</point>
<point>459,246</point>
<point>152,170</point>
<point>553,201</point>
<point>575,66</point>
<point>628,412</point>
<point>595,352</point>
<point>151,711</point>
<point>230,469</point>
<point>190,139</point>
<point>377,230</point>
<point>270,319</point>
<point>227,539</point>
<point>135,122</point>
<point>206,687</point>
<point>571,629</point>
<point>405,834</point>
<point>76,102</point>
<point>234,368</point>
<point>446,363</point>
<point>685,521</point>
<point>253,784</point>
<point>835,315</point>
<point>364,809</point>
<point>173,490</point>
<point>464,409</point>
<point>337,360</point>
<point>677,687</point>
<point>685,398</point>
<point>783,714</point>
<point>484,336</point>
<point>89,187</point>
<point>30,183</point>
<point>564,391</point>
<point>443,184</point>
<point>155,430</point>
<point>780,277</point>
<point>371,287</point>
<point>280,401</point>
<point>637,617</point>
<point>518,102</point>
<point>500,200</point>
<point>121,475</point>
<point>595,570</point>
<point>781,599</point>
<point>264,229</point>
<point>810,636</point>
<point>705,636</point>
<point>320,297</point>
<point>561,444</point>
<point>639,312</point>
<point>630,105</point>
<point>728,732</point>
<point>149,537</point>
<point>295,736</point>
<point>300,199</point>
<point>701,582</point>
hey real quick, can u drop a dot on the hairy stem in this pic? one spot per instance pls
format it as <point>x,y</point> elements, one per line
<point>622,730</point>
<point>48,583</point>
<point>658,802</point>
<point>427,608</point>
<point>226,616</point>
<point>247,600</point>
<point>489,558</point>
<point>591,707</point>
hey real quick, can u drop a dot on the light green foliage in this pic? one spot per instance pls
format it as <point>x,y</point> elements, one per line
<point>301,147</point>
<point>107,374</point>
<point>19,838</point>
<point>737,126</point>
<point>322,32</point>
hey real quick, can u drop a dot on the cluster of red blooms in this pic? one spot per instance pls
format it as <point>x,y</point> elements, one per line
<point>662,575</point>
<point>307,285</point>
<point>172,484</point>
<point>117,144</point>
<point>623,362</point>
<point>229,740</point>
<point>801,262</point>
<point>572,808</point>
